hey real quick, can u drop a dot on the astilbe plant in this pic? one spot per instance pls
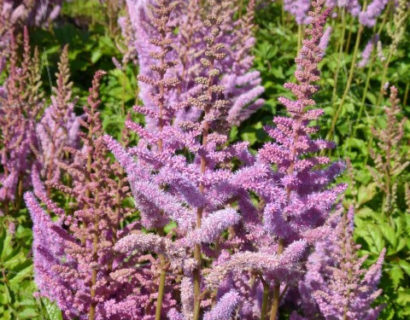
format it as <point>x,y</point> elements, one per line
<point>293,188</point>
<point>59,126</point>
<point>20,102</point>
<point>336,286</point>
<point>16,13</point>
<point>389,160</point>
<point>31,12</point>
<point>179,173</point>
<point>74,260</point>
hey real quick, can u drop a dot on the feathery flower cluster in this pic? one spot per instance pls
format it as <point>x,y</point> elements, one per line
<point>389,162</point>
<point>369,16</point>
<point>28,12</point>
<point>190,190</point>
<point>335,284</point>
<point>16,13</point>
<point>241,85</point>
<point>59,126</point>
<point>20,103</point>
<point>295,195</point>
<point>221,233</point>
<point>74,257</point>
<point>299,9</point>
<point>351,6</point>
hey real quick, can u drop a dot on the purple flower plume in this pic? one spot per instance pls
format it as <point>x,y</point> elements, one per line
<point>20,104</point>
<point>58,127</point>
<point>335,284</point>
<point>85,275</point>
<point>374,9</point>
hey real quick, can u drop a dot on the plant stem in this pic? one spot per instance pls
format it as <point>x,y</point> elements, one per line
<point>406,94</point>
<point>340,48</point>
<point>161,288</point>
<point>276,290</point>
<point>365,90</point>
<point>197,248</point>
<point>265,300</point>
<point>384,74</point>
<point>349,38</point>
<point>347,88</point>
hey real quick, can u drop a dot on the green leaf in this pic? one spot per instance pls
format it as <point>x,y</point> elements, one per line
<point>396,274</point>
<point>389,234</point>
<point>405,266</point>
<point>53,311</point>
<point>22,274</point>
<point>366,193</point>
<point>6,247</point>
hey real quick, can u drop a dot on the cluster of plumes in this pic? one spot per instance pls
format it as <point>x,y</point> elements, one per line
<point>59,126</point>
<point>75,263</point>
<point>241,84</point>
<point>292,188</point>
<point>240,238</point>
<point>298,9</point>
<point>335,284</point>
<point>180,169</point>
<point>192,189</point>
<point>21,101</point>
<point>30,12</point>
<point>389,160</point>
<point>367,17</point>
<point>16,13</point>
<point>351,6</point>
<point>397,28</point>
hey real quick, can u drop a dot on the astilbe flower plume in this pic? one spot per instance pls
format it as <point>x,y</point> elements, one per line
<point>29,12</point>
<point>298,9</point>
<point>74,259</point>
<point>294,193</point>
<point>178,172</point>
<point>369,16</point>
<point>389,160</point>
<point>242,85</point>
<point>20,102</point>
<point>336,286</point>
<point>16,13</point>
<point>59,125</point>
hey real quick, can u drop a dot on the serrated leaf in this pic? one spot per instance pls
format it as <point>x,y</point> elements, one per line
<point>405,266</point>
<point>396,274</point>
<point>389,234</point>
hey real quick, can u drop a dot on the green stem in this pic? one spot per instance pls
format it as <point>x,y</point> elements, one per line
<point>383,82</point>
<point>265,300</point>
<point>161,288</point>
<point>365,90</point>
<point>348,84</point>
<point>406,94</point>
<point>276,289</point>
<point>340,49</point>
